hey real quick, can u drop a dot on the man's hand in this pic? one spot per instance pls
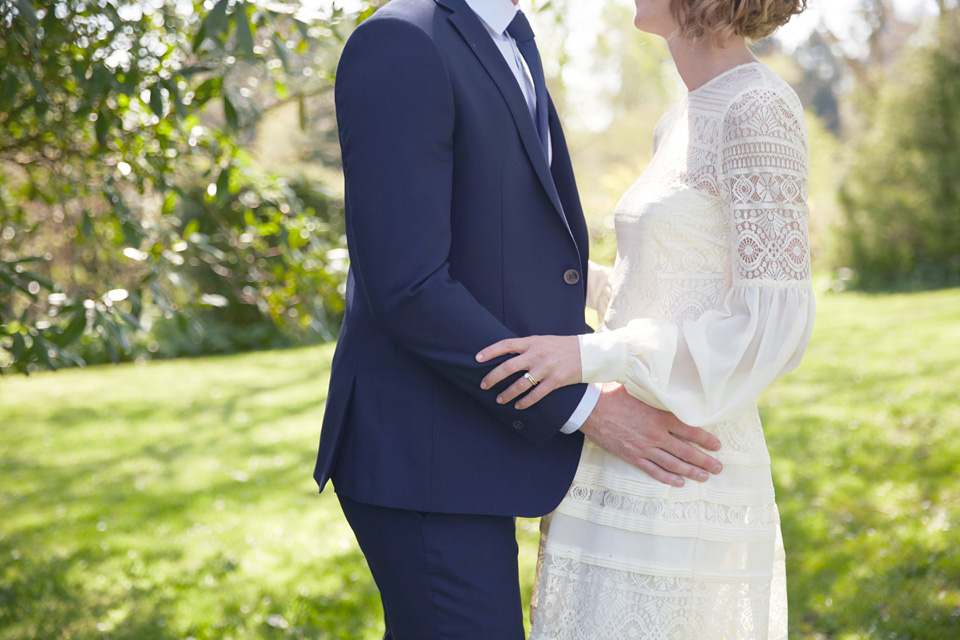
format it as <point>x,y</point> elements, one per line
<point>650,439</point>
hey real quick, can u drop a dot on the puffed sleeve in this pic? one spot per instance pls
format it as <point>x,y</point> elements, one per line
<point>714,367</point>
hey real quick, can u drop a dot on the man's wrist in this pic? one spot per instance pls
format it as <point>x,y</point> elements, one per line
<point>583,410</point>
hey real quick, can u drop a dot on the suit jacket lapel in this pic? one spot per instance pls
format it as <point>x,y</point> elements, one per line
<point>473,31</point>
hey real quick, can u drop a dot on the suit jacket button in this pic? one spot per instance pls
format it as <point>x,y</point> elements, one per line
<point>517,424</point>
<point>571,276</point>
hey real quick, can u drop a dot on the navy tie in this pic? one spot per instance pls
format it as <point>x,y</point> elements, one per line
<point>520,31</point>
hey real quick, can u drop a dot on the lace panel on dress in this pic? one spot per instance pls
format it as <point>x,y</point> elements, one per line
<point>763,167</point>
<point>587,601</point>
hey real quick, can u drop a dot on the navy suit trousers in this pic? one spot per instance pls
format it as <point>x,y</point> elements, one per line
<point>441,576</point>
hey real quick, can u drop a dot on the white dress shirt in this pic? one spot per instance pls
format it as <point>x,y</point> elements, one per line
<point>496,16</point>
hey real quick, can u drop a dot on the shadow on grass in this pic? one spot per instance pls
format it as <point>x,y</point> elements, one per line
<point>56,597</point>
<point>47,598</point>
<point>86,497</point>
<point>117,482</point>
<point>165,527</point>
<point>222,407</point>
<point>350,612</point>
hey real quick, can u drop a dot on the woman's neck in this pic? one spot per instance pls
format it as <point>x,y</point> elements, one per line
<point>701,62</point>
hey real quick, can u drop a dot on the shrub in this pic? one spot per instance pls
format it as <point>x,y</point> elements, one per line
<point>901,199</point>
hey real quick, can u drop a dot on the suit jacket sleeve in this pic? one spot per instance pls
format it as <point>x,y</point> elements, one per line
<point>396,112</point>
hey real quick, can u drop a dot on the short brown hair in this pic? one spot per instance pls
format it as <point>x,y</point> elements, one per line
<point>722,19</point>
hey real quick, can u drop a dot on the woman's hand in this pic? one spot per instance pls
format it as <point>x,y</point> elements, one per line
<point>552,362</point>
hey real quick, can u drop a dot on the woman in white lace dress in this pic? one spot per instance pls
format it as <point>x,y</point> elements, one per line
<point>711,302</point>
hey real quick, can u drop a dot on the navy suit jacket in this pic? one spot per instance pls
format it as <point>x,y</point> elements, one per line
<point>460,234</point>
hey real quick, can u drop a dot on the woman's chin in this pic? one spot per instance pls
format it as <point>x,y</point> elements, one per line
<point>645,25</point>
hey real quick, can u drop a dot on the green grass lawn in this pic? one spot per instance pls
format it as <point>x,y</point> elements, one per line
<point>175,500</point>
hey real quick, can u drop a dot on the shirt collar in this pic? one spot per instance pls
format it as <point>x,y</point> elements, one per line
<point>496,15</point>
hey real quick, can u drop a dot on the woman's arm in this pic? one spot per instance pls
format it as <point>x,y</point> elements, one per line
<point>711,368</point>
<point>599,288</point>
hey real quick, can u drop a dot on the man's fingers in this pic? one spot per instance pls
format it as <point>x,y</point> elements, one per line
<point>675,465</point>
<point>658,473</point>
<point>502,348</point>
<point>649,439</point>
<point>691,455</point>
<point>697,435</point>
<point>653,461</point>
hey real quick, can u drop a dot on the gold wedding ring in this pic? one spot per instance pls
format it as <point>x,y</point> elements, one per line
<point>533,381</point>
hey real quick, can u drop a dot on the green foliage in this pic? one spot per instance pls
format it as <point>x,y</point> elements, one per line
<point>121,125</point>
<point>902,198</point>
<point>262,266</point>
<point>175,499</point>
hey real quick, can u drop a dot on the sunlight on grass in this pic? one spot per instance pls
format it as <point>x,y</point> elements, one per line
<point>865,442</point>
<point>175,500</point>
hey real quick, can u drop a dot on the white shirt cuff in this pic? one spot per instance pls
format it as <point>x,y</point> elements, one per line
<point>603,356</point>
<point>583,410</point>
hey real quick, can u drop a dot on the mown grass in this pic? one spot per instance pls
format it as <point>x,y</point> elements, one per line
<point>174,500</point>
<point>865,442</point>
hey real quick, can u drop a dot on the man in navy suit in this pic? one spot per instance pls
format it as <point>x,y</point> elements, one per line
<point>464,228</point>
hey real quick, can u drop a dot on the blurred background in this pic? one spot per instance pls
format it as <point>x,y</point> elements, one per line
<point>171,209</point>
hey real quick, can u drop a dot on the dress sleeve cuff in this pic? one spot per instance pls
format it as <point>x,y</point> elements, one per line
<point>603,357</point>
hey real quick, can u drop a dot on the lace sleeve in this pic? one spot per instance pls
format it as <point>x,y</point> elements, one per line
<point>714,367</point>
<point>764,167</point>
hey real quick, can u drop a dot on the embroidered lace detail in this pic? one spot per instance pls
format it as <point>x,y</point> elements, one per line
<point>672,511</point>
<point>743,437</point>
<point>763,164</point>
<point>720,209</point>
<point>721,204</point>
<point>580,600</point>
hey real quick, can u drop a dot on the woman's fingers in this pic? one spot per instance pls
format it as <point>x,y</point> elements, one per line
<point>535,392</point>
<point>556,358</point>
<point>504,370</point>
<point>538,393</point>
<point>519,386</point>
<point>502,348</point>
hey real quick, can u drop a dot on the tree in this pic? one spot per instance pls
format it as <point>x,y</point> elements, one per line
<point>124,183</point>
<point>819,87</point>
<point>901,198</point>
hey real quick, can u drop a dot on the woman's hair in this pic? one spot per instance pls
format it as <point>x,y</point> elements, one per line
<point>722,19</point>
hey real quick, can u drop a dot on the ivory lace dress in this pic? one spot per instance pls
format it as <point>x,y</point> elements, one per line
<point>711,303</point>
